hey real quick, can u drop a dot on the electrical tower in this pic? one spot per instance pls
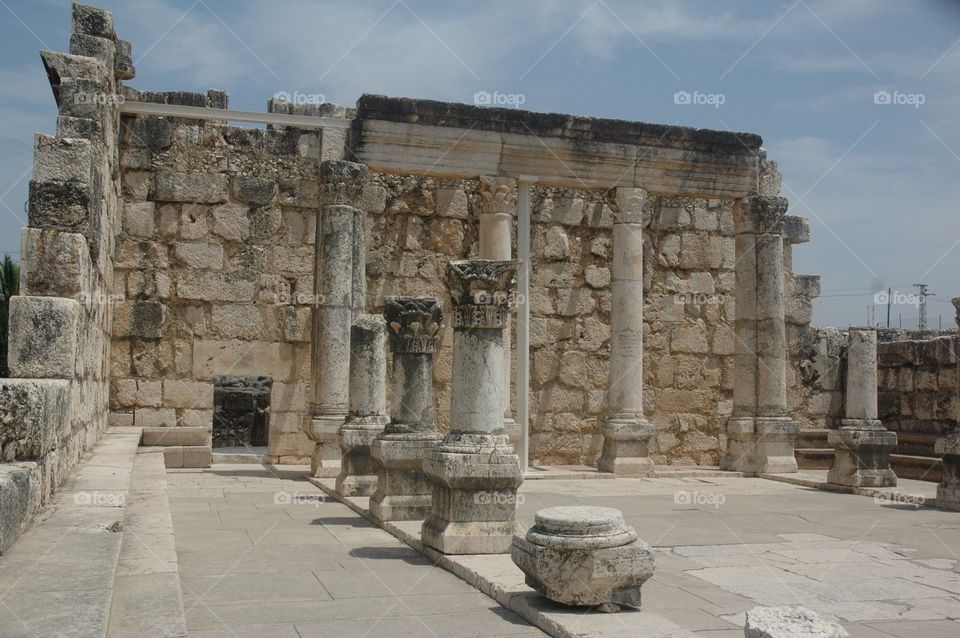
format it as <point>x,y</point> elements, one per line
<point>923,294</point>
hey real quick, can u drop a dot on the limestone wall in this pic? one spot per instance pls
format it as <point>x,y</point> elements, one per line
<point>55,408</point>
<point>416,224</point>
<point>919,385</point>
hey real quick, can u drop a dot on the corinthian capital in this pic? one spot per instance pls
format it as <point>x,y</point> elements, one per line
<point>480,291</point>
<point>630,203</point>
<point>413,323</point>
<point>499,195</point>
<point>761,214</point>
<point>342,182</point>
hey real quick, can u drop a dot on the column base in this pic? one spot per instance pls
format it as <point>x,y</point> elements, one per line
<point>862,450</point>
<point>626,442</point>
<point>322,429</point>
<point>475,479</point>
<point>948,491</point>
<point>760,445</point>
<point>402,491</point>
<point>358,470</point>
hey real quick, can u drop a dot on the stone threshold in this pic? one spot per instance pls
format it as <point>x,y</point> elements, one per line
<point>496,576</point>
<point>907,492</point>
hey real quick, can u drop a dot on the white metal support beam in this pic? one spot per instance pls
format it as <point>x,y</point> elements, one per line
<point>203,113</point>
<point>523,316</point>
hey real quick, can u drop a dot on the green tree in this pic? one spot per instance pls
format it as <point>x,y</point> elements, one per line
<point>9,286</point>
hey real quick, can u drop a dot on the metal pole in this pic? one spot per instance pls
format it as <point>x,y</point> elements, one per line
<point>523,317</point>
<point>889,303</point>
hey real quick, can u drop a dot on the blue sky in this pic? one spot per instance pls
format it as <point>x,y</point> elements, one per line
<point>878,181</point>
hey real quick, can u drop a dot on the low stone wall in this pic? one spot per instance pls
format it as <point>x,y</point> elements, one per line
<point>918,381</point>
<point>55,408</point>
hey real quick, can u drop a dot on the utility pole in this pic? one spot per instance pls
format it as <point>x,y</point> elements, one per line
<point>889,303</point>
<point>923,294</point>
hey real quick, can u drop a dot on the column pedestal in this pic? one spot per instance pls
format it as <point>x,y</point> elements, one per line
<point>948,491</point>
<point>760,445</point>
<point>404,493</point>
<point>475,479</point>
<point>626,442</point>
<point>862,450</point>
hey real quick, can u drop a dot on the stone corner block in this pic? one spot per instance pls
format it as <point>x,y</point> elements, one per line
<point>59,159</point>
<point>34,417</point>
<point>20,500</point>
<point>43,337</point>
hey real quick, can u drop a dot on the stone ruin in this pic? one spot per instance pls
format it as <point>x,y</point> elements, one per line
<point>166,249</point>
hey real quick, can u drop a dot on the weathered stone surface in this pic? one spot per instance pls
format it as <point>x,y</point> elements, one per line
<point>20,491</point>
<point>948,491</point>
<point>57,159</point>
<point>584,556</point>
<point>34,416</point>
<point>55,264</point>
<point>367,414</point>
<point>201,188</point>
<point>43,337</point>
<point>179,436</point>
<point>144,319</point>
<point>92,21</point>
<point>789,622</point>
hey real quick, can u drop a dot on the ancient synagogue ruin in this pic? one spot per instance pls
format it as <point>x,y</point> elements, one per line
<point>427,302</point>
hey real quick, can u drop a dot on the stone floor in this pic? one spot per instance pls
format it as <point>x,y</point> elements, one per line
<point>264,553</point>
<point>132,549</point>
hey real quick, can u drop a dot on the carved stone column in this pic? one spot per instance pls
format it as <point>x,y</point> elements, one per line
<point>475,471</point>
<point>760,434</point>
<point>627,433</point>
<point>862,446</point>
<point>499,198</point>
<point>403,491</point>
<point>340,295</point>
<point>368,407</point>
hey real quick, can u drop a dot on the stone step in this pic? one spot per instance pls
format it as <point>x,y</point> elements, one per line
<point>917,443</point>
<point>814,458</point>
<point>813,439</point>
<point>919,468</point>
<point>61,573</point>
<point>147,600</point>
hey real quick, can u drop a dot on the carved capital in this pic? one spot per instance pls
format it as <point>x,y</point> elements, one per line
<point>342,182</point>
<point>480,291</point>
<point>630,203</point>
<point>499,195</point>
<point>761,215</point>
<point>414,323</point>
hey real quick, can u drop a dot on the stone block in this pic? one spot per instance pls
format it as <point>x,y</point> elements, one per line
<point>187,394</point>
<point>251,358</point>
<point>197,255</point>
<point>155,417</point>
<point>254,190</point>
<point>54,264</point>
<point>57,159</point>
<point>789,622</point>
<point>139,219</point>
<point>197,456</point>
<point>173,456</point>
<point>43,337</point>
<point>143,319</point>
<point>20,500</point>
<point>238,321</point>
<point>215,286</point>
<point>202,188</point>
<point>34,417</point>
<point>175,436</point>
<point>232,222</point>
<point>58,205</point>
<point>89,20</point>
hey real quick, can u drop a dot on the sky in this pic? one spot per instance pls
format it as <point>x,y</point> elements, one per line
<point>857,99</point>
